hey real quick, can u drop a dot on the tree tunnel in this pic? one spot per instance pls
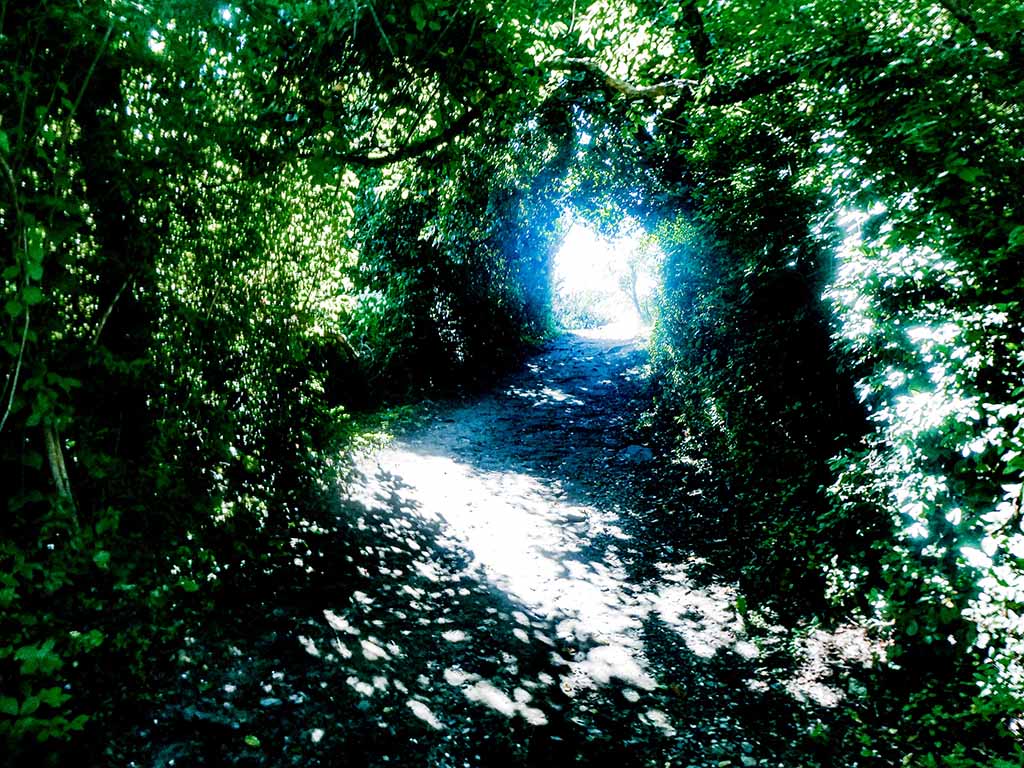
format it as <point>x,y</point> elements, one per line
<point>241,239</point>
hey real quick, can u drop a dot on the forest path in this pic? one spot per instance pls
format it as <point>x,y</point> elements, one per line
<point>606,648</point>
<point>505,605</point>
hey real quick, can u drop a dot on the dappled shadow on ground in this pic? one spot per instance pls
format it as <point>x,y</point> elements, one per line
<point>501,606</point>
<point>538,483</point>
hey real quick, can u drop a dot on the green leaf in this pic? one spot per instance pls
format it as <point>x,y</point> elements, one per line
<point>969,174</point>
<point>5,143</point>
<point>418,18</point>
<point>36,236</point>
<point>33,460</point>
<point>27,658</point>
<point>102,559</point>
<point>8,706</point>
<point>91,639</point>
<point>30,705</point>
<point>189,585</point>
<point>252,741</point>
<point>32,295</point>
<point>53,697</point>
<point>108,521</point>
<point>38,658</point>
<point>14,308</point>
<point>13,271</point>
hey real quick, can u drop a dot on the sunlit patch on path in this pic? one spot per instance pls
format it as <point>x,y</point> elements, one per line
<point>532,542</point>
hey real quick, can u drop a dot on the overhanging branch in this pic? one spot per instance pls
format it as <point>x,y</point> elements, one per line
<point>380,158</point>
<point>677,87</point>
<point>722,94</point>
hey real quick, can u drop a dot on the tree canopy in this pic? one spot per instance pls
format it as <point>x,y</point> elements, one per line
<point>230,228</point>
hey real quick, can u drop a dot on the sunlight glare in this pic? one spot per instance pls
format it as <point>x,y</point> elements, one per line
<point>603,281</point>
<point>585,262</point>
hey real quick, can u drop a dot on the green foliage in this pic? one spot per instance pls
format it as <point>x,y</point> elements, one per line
<point>928,313</point>
<point>877,167</point>
<point>580,309</point>
<point>226,229</point>
<point>223,231</point>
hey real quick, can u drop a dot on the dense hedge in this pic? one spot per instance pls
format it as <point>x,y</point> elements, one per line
<point>206,272</point>
<point>840,334</point>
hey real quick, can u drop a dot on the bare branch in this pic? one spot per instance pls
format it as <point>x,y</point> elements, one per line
<point>89,73</point>
<point>732,93</point>
<point>9,177</point>
<point>720,95</point>
<point>13,378</point>
<point>756,85</point>
<point>700,43</point>
<point>106,314</point>
<point>381,158</point>
<point>677,87</point>
<point>380,28</point>
<point>58,469</point>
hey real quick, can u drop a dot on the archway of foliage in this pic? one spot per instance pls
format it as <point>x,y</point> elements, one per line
<point>227,226</point>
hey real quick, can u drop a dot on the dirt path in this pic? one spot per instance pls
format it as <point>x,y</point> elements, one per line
<point>505,606</point>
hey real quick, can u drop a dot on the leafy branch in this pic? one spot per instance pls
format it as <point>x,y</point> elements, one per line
<point>966,19</point>
<point>380,158</point>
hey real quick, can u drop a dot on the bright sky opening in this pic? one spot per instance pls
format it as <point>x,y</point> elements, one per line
<point>602,281</point>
